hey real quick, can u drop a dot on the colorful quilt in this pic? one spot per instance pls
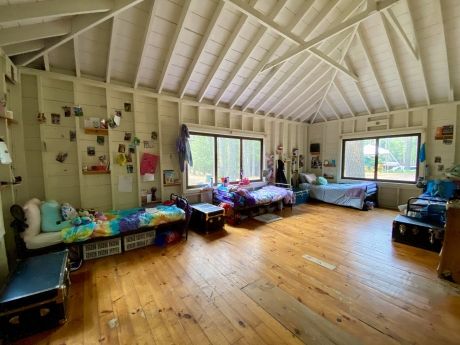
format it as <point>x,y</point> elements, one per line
<point>123,221</point>
<point>241,197</point>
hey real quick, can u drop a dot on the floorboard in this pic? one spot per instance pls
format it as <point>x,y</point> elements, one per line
<point>377,292</point>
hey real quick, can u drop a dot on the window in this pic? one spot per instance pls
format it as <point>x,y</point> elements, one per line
<point>216,156</point>
<point>391,158</point>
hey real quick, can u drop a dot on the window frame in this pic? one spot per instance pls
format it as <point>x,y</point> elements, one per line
<point>377,138</point>
<point>241,138</point>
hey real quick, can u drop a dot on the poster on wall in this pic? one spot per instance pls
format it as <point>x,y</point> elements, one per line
<point>445,133</point>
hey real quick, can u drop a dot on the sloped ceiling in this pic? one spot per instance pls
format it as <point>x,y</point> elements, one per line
<point>245,55</point>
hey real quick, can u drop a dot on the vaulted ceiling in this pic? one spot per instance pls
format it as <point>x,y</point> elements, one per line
<point>303,60</point>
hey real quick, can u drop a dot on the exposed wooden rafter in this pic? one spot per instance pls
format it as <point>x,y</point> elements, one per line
<point>394,59</point>
<point>342,57</point>
<point>450,86</point>
<point>389,14</point>
<point>148,28</point>
<point>51,9</point>
<point>271,24</point>
<point>331,32</point>
<point>319,89</point>
<point>421,60</point>
<point>359,91</point>
<point>76,52</point>
<point>248,51</point>
<point>344,100</point>
<point>334,42</point>
<point>222,55</point>
<point>46,62</point>
<point>212,24</point>
<point>259,88</point>
<point>319,18</point>
<point>34,32</point>
<point>80,24</point>
<point>334,110</point>
<point>367,55</point>
<point>173,46</point>
<point>23,48</point>
<point>308,112</point>
<point>108,69</point>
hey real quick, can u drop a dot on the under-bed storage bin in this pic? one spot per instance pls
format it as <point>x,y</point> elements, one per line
<point>99,249</point>
<point>139,240</point>
<point>301,196</point>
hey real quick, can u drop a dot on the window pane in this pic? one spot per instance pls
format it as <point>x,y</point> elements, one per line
<point>228,158</point>
<point>398,158</point>
<point>202,148</point>
<point>359,160</point>
<point>251,159</point>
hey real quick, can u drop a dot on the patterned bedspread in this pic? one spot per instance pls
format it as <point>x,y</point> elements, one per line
<point>242,197</point>
<point>123,221</point>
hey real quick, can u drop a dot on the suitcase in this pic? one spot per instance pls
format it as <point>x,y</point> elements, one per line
<point>411,231</point>
<point>207,217</point>
<point>35,297</point>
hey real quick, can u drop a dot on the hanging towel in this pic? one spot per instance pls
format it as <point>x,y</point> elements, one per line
<point>422,153</point>
<point>183,148</point>
<point>148,163</point>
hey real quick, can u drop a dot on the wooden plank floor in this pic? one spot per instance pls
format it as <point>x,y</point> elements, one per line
<point>190,293</point>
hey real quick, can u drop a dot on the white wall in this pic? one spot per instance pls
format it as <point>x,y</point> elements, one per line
<point>422,120</point>
<point>49,92</point>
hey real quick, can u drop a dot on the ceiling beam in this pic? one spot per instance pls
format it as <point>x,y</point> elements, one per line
<point>79,25</point>
<point>330,33</point>
<point>51,9</point>
<point>342,97</point>
<point>271,24</point>
<point>389,14</point>
<point>209,30</point>
<point>334,110</point>
<point>24,47</point>
<point>319,18</point>
<point>302,117</point>
<point>313,95</point>
<point>148,28</point>
<point>228,45</point>
<point>46,62</point>
<point>255,72</point>
<point>111,49</point>
<point>367,55</point>
<point>335,42</point>
<point>394,59</point>
<point>358,88</point>
<point>173,46</point>
<point>259,88</point>
<point>342,57</point>
<point>421,60</point>
<point>248,51</point>
<point>76,51</point>
<point>301,12</point>
<point>450,82</point>
<point>34,32</point>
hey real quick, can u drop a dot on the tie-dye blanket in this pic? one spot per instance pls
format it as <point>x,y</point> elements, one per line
<point>123,221</point>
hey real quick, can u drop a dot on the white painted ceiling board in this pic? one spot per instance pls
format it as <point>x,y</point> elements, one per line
<point>278,90</point>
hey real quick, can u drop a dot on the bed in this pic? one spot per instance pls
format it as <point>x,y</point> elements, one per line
<point>30,240</point>
<point>242,200</point>
<point>355,195</point>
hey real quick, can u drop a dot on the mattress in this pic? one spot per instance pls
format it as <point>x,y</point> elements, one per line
<point>245,198</point>
<point>343,194</point>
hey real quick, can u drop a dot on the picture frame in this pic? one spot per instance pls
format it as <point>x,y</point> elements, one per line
<point>169,177</point>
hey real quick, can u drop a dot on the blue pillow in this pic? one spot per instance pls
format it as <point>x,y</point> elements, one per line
<point>441,188</point>
<point>51,217</point>
<point>321,180</point>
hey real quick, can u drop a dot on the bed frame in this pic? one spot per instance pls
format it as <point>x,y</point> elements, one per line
<point>75,249</point>
<point>239,211</point>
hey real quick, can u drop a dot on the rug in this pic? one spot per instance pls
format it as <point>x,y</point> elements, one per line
<point>268,218</point>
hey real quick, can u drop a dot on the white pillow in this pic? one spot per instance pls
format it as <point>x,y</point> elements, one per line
<point>33,218</point>
<point>311,178</point>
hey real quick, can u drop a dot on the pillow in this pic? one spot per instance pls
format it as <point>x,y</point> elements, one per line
<point>32,213</point>
<point>51,217</point>
<point>68,212</point>
<point>321,180</point>
<point>302,178</point>
<point>311,178</point>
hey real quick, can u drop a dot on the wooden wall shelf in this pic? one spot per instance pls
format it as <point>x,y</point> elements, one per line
<point>96,172</point>
<point>97,131</point>
<point>10,121</point>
